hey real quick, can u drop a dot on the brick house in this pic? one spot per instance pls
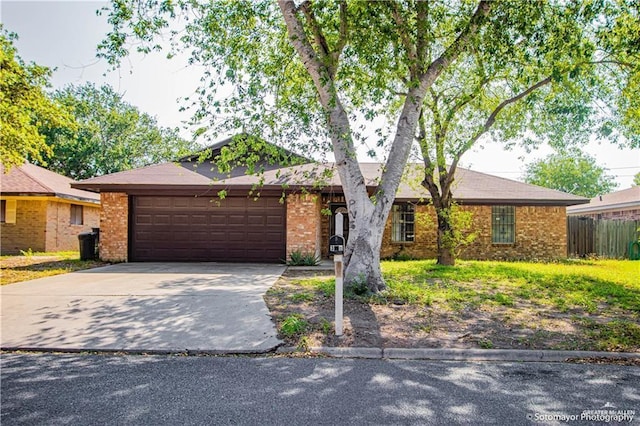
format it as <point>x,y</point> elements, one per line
<point>42,212</point>
<point>619,205</point>
<point>172,212</point>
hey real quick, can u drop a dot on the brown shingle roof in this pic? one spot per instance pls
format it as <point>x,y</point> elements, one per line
<point>31,180</point>
<point>619,200</point>
<point>470,186</point>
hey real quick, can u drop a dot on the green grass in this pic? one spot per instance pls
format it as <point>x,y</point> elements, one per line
<point>596,303</point>
<point>35,265</point>
<point>565,285</point>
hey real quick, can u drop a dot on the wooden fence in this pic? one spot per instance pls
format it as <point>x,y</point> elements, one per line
<point>604,238</point>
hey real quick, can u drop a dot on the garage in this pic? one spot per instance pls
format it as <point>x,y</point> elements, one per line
<point>235,229</point>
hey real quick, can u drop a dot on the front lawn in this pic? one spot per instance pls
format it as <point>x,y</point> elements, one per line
<point>30,266</point>
<point>575,304</point>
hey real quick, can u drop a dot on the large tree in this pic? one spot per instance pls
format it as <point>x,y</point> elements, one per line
<point>24,106</point>
<point>313,69</point>
<point>355,73</point>
<point>546,72</point>
<point>111,135</point>
<point>571,171</point>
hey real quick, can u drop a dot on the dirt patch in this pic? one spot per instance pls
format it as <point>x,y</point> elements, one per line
<point>521,325</point>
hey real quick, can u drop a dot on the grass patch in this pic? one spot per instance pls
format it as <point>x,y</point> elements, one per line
<point>39,265</point>
<point>572,304</point>
<point>582,285</point>
<point>293,325</point>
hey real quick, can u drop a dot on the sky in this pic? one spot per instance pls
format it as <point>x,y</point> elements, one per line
<point>63,35</point>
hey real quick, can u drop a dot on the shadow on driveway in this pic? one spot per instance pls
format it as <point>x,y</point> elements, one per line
<point>144,307</point>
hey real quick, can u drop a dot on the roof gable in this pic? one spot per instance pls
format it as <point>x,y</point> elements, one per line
<point>29,179</point>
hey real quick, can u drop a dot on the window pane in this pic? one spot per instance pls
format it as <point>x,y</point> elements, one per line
<point>76,215</point>
<point>503,224</point>
<point>402,223</point>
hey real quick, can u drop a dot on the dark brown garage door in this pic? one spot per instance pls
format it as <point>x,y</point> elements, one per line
<point>200,229</point>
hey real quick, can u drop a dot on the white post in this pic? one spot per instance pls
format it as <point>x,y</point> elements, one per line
<point>337,260</point>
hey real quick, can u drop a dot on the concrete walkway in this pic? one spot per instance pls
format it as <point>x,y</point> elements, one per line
<point>144,307</point>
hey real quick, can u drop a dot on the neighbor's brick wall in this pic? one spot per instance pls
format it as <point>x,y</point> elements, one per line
<point>304,223</point>
<point>541,233</point>
<point>29,230</point>
<point>60,233</point>
<point>114,221</point>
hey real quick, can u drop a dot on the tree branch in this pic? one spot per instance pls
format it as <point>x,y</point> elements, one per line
<point>493,116</point>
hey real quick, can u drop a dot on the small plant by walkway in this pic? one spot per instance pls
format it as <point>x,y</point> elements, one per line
<point>32,265</point>
<point>573,304</point>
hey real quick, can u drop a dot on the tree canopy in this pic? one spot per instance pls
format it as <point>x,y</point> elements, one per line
<point>111,135</point>
<point>571,171</point>
<point>544,72</point>
<point>25,106</point>
<point>343,75</point>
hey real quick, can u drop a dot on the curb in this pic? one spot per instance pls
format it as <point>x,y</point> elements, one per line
<point>510,355</point>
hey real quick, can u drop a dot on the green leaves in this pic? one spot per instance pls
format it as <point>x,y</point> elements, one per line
<point>111,135</point>
<point>25,106</point>
<point>570,171</point>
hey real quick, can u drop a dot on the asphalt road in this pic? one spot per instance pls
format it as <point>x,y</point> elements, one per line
<point>172,390</point>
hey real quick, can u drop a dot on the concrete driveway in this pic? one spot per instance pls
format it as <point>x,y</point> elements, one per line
<point>143,307</point>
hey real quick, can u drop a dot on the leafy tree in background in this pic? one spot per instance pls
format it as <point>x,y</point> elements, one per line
<point>571,171</point>
<point>544,73</point>
<point>365,73</point>
<point>111,136</point>
<point>24,106</point>
<point>636,179</point>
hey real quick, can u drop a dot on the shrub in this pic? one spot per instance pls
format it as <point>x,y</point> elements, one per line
<point>300,258</point>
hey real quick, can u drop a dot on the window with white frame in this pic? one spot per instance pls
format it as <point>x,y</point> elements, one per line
<point>503,224</point>
<point>403,223</point>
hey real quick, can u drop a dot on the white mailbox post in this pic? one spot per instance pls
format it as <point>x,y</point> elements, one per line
<point>336,247</point>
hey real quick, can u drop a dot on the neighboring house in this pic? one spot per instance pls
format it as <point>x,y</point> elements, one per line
<point>620,205</point>
<point>42,212</point>
<point>172,212</point>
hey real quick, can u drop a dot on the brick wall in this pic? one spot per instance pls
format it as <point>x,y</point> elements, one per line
<point>114,232</point>
<point>60,233</point>
<point>541,233</point>
<point>44,225</point>
<point>29,230</point>
<point>304,223</point>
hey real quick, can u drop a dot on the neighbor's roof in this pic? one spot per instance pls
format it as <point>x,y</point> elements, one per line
<point>616,201</point>
<point>469,187</point>
<point>32,180</point>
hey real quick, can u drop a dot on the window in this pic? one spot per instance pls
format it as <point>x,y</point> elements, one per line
<point>76,215</point>
<point>8,211</point>
<point>403,223</point>
<point>503,224</point>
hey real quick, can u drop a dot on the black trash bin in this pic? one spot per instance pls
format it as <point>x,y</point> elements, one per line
<point>87,245</point>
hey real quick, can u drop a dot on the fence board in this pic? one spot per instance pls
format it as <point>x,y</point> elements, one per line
<point>600,237</point>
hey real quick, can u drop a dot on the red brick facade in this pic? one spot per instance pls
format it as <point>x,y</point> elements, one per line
<point>540,231</point>
<point>304,224</point>
<point>114,222</point>
<point>43,225</point>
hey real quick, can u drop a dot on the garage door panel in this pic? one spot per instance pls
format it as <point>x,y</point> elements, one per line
<point>199,229</point>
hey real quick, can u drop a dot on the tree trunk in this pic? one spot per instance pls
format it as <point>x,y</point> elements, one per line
<point>445,251</point>
<point>362,256</point>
